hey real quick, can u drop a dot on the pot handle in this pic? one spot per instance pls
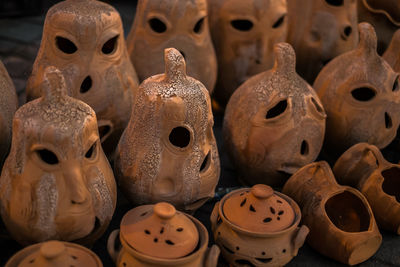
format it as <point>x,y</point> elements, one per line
<point>211,259</point>
<point>111,245</point>
<point>214,214</point>
<point>299,238</point>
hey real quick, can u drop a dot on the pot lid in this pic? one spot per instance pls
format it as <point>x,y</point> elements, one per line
<point>258,209</point>
<point>55,254</point>
<point>160,231</point>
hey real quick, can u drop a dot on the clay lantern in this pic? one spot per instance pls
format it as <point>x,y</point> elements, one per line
<point>362,166</point>
<point>361,96</point>
<point>244,33</point>
<point>56,182</point>
<point>257,227</point>
<point>168,151</point>
<point>392,53</point>
<point>180,24</point>
<point>84,39</point>
<point>8,106</point>
<point>158,235</point>
<point>341,222</point>
<point>320,30</point>
<point>274,123</point>
<point>54,254</point>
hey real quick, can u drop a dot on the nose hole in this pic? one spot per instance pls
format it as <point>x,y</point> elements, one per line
<point>304,148</point>
<point>183,54</point>
<point>388,121</point>
<point>346,32</point>
<point>86,84</point>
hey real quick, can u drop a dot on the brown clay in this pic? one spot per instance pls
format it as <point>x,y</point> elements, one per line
<point>56,182</point>
<point>257,227</point>
<point>384,15</point>
<point>168,151</point>
<point>341,222</point>
<point>84,39</point>
<point>362,166</point>
<point>244,34</point>
<point>360,93</point>
<point>392,53</point>
<point>320,30</point>
<point>158,235</point>
<point>8,106</point>
<point>274,123</point>
<point>54,254</point>
<point>180,24</point>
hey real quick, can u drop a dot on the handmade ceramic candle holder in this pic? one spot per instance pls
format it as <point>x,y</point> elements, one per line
<point>257,227</point>
<point>341,222</point>
<point>158,235</point>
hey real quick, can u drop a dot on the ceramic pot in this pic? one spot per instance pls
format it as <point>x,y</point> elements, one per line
<point>257,227</point>
<point>342,225</point>
<point>274,123</point>
<point>172,112</point>
<point>363,166</point>
<point>54,254</point>
<point>158,235</point>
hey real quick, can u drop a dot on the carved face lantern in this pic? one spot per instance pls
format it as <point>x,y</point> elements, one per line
<point>328,30</point>
<point>180,24</point>
<point>84,39</point>
<point>361,96</point>
<point>168,152</point>
<point>244,33</point>
<point>56,183</point>
<point>274,123</point>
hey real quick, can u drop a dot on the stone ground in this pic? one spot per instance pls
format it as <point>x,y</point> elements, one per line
<point>19,42</point>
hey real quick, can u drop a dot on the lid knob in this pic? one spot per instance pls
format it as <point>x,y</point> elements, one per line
<point>262,191</point>
<point>164,210</point>
<point>52,249</point>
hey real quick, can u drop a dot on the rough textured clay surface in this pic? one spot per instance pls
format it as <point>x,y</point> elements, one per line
<point>341,222</point>
<point>274,123</point>
<point>56,182</point>
<point>168,151</point>
<point>84,39</point>
<point>180,24</point>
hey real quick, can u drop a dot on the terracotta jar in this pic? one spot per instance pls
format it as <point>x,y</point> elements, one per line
<point>384,15</point>
<point>362,166</point>
<point>244,33</point>
<point>54,254</point>
<point>8,106</point>
<point>392,53</point>
<point>180,24</point>
<point>84,39</point>
<point>168,151</point>
<point>320,30</point>
<point>158,235</point>
<point>274,123</point>
<point>56,182</point>
<point>361,96</point>
<point>257,227</point>
<point>342,225</point>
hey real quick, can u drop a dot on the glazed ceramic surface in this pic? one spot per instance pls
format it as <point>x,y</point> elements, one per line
<point>56,182</point>
<point>274,123</point>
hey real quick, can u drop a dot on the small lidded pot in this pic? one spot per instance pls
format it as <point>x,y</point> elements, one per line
<point>54,254</point>
<point>257,227</point>
<point>159,235</point>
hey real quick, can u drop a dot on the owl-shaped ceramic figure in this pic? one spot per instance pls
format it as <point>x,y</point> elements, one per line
<point>168,151</point>
<point>84,39</point>
<point>181,24</point>
<point>56,182</point>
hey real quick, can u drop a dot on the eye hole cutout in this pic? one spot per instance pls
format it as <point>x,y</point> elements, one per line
<point>157,25</point>
<point>198,27</point>
<point>205,163</point>
<point>279,22</point>
<point>334,2</point>
<point>243,25</point>
<point>317,105</point>
<point>180,137</point>
<point>65,45</point>
<point>47,156</point>
<point>363,94</point>
<point>110,46</point>
<point>91,152</point>
<point>396,85</point>
<point>277,110</point>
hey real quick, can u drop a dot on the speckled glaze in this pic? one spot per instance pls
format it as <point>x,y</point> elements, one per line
<point>56,182</point>
<point>363,166</point>
<point>274,123</point>
<point>257,227</point>
<point>168,151</point>
<point>180,24</point>
<point>341,222</point>
<point>84,39</point>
